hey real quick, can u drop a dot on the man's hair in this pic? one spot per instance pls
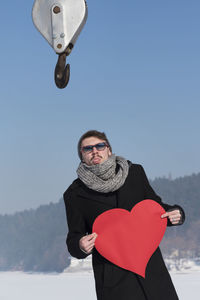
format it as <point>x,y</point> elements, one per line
<point>91,133</point>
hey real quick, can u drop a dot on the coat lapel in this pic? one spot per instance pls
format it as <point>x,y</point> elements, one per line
<point>124,196</point>
<point>128,195</point>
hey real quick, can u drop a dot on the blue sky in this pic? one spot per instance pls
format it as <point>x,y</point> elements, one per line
<point>135,73</point>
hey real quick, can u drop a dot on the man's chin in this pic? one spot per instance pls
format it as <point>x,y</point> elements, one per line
<point>96,161</point>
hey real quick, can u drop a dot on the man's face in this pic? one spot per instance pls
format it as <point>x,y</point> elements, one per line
<point>95,156</point>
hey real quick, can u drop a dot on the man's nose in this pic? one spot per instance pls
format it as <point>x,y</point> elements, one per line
<point>94,149</point>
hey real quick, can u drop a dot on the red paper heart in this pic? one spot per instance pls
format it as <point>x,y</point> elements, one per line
<point>128,239</point>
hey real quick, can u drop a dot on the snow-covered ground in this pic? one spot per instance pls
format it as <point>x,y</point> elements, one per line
<point>77,282</point>
<point>76,286</point>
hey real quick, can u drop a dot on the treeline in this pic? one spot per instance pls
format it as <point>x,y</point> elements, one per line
<point>34,240</point>
<point>184,191</point>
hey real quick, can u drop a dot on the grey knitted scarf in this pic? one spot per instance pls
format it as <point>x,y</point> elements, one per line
<point>104,177</point>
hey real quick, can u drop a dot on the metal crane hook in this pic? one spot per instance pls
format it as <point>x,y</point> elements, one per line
<point>62,72</point>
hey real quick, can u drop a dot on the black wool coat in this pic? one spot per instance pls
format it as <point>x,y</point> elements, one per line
<point>83,205</point>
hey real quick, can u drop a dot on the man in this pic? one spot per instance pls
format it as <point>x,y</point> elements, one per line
<point>104,182</point>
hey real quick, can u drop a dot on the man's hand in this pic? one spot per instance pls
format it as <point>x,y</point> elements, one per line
<point>174,216</point>
<point>86,243</point>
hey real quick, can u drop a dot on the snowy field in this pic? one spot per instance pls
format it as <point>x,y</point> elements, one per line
<point>75,286</point>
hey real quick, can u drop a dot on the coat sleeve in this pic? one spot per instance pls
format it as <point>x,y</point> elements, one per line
<point>150,194</point>
<point>76,225</point>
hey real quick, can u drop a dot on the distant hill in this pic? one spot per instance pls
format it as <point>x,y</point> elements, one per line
<point>34,240</point>
<point>184,191</point>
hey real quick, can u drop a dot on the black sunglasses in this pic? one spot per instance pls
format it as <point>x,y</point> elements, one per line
<point>99,147</point>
